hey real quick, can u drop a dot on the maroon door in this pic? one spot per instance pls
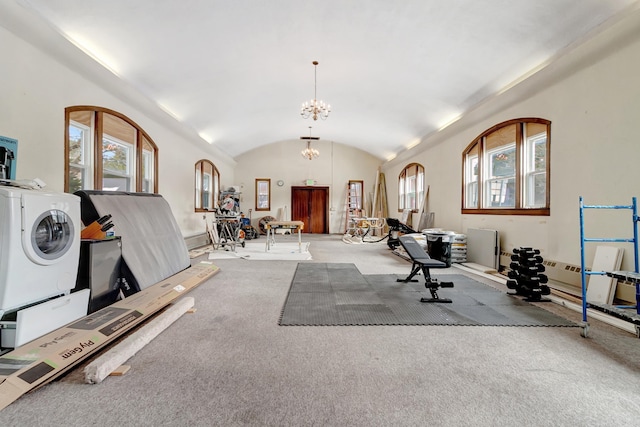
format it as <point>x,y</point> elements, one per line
<point>310,205</point>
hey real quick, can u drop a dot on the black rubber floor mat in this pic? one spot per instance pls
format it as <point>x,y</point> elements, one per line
<point>324,294</point>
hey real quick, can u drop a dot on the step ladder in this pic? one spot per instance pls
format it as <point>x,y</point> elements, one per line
<point>353,203</point>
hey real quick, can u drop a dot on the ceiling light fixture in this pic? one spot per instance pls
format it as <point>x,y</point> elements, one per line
<point>310,153</point>
<point>314,108</point>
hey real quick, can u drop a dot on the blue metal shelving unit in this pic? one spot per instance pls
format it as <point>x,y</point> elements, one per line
<point>584,272</point>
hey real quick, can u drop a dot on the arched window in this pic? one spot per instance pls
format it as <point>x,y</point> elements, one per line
<point>411,187</point>
<point>207,186</point>
<point>506,169</point>
<point>105,150</point>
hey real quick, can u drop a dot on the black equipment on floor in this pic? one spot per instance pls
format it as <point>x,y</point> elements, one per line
<point>423,262</point>
<point>99,271</point>
<point>525,276</point>
<point>395,228</point>
<point>249,230</point>
<point>439,246</point>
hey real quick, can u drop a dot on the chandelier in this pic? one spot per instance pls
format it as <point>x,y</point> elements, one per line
<point>314,108</point>
<point>310,153</point>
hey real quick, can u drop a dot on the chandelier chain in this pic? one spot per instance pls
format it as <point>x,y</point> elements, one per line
<point>315,108</point>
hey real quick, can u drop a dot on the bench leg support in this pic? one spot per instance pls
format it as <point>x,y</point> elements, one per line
<point>415,270</point>
<point>433,287</point>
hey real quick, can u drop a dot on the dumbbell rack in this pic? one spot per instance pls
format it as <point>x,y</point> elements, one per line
<point>525,275</point>
<point>613,310</point>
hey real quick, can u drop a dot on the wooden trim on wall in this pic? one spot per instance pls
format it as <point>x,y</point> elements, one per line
<point>97,147</point>
<point>97,152</point>
<point>508,211</point>
<point>139,161</point>
<point>268,208</point>
<point>480,139</point>
<point>215,175</point>
<point>66,151</point>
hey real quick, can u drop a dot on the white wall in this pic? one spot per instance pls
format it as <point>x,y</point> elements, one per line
<point>35,90</point>
<point>337,164</point>
<point>592,97</point>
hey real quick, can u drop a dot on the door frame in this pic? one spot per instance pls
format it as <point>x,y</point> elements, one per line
<point>327,190</point>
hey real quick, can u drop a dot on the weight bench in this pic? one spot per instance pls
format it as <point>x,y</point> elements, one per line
<point>423,262</point>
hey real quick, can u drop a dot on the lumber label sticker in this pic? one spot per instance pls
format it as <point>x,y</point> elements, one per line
<point>38,371</point>
<point>123,322</point>
<point>99,318</point>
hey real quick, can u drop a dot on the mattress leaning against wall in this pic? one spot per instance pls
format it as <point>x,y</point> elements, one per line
<point>152,245</point>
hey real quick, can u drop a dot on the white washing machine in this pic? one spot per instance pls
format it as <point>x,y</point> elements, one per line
<point>39,245</point>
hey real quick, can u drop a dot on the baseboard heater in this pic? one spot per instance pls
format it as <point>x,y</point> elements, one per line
<point>198,240</point>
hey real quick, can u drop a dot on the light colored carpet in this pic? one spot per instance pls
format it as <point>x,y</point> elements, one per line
<point>257,251</point>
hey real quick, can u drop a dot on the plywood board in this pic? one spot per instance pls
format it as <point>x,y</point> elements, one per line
<point>601,289</point>
<point>120,371</point>
<point>483,247</point>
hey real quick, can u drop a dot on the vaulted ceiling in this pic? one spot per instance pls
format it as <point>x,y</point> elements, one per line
<point>393,71</point>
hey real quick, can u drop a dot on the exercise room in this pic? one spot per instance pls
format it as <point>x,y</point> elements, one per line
<point>360,213</point>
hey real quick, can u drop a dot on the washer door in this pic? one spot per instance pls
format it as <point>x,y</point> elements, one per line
<point>50,237</point>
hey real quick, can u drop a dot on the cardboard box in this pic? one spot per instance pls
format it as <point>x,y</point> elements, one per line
<point>43,359</point>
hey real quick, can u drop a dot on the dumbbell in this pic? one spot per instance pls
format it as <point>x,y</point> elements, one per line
<point>512,284</point>
<point>536,259</point>
<point>526,251</point>
<point>530,282</point>
<point>538,268</point>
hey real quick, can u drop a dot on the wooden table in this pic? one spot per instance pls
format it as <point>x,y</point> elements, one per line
<point>271,226</point>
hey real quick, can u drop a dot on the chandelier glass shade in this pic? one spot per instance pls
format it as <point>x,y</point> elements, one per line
<point>310,153</point>
<point>315,108</point>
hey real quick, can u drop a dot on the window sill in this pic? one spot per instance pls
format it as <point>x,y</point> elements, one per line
<point>530,212</point>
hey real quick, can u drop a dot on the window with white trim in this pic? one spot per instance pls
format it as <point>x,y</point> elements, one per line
<point>106,150</point>
<point>80,155</point>
<point>535,170</point>
<point>207,186</point>
<point>506,169</point>
<point>263,194</point>
<point>117,168</point>
<point>411,187</point>
<point>355,197</point>
<point>148,166</point>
